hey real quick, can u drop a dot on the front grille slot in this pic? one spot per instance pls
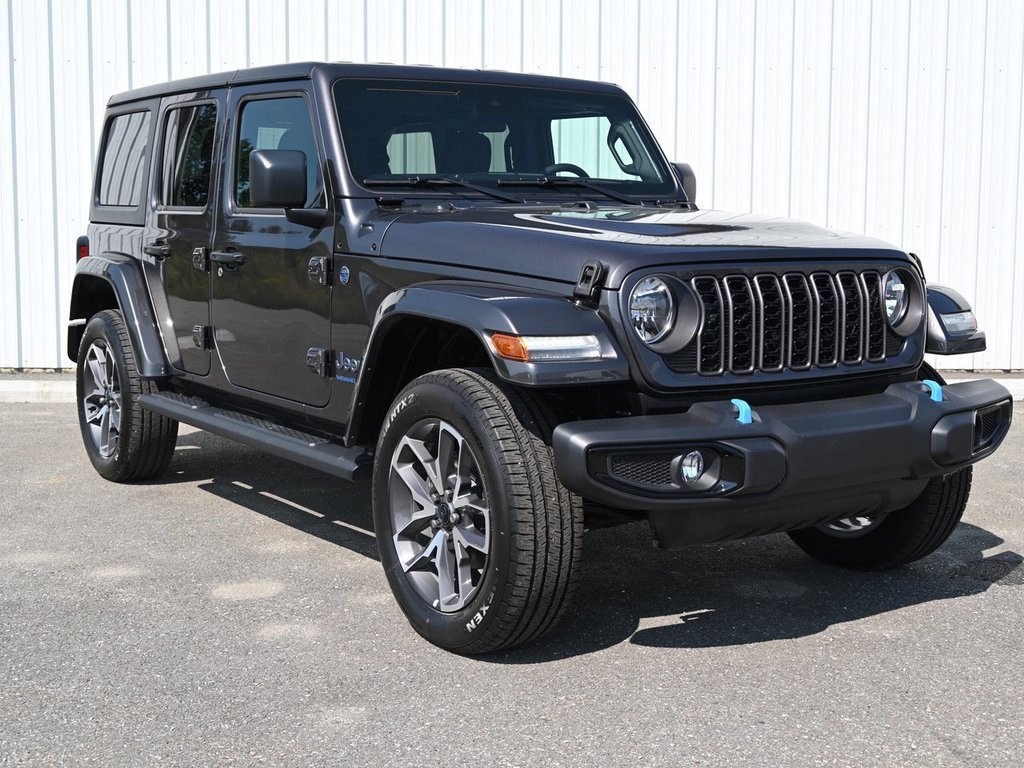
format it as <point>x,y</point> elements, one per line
<point>875,329</point>
<point>742,324</point>
<point>770,323</point>
<point>711,336</point>
<point>771,319</point>
<point>826,320</point>
<point>800,332</point>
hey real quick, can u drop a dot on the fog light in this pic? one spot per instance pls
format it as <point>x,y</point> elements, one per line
<point>692,467</point>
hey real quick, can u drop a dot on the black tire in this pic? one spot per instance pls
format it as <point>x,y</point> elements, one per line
<point>903,536</point>
<point>144,441</point>
<point>535,525</point>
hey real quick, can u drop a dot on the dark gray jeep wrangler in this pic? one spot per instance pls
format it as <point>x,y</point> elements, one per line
<point>493,293</point>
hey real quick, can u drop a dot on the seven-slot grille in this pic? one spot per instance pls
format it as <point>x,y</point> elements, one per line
<point>793,321</point>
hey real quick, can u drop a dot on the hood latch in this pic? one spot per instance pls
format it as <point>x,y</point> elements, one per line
<point>588,287</point>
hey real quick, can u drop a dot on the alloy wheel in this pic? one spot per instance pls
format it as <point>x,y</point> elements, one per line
<point>101,398</point>
<point>440,514</point>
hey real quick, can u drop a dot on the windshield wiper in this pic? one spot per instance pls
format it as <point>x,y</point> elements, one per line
<point>563,181</point>
<point>439,181</point>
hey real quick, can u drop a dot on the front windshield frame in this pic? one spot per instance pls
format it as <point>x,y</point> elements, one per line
<point>660,183</point>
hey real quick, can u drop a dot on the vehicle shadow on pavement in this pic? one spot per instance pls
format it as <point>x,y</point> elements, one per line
<point>302,498</point>
<point>735,593</point>
<point>749,591</point>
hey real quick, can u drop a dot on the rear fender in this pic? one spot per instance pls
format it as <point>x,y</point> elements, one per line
<point>115,281</point>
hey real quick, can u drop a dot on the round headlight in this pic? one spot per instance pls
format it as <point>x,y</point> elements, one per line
<point>651,309</point>
<point>895,297</point>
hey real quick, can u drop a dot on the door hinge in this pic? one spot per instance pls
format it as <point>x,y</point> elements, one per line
<point>202,337</point>
<point>588,287</point>
<point>201,259</point>
<point>320,361</point>
<point>319,270</point>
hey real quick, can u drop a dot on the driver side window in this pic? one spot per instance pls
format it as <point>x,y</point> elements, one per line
<point>582,141</point>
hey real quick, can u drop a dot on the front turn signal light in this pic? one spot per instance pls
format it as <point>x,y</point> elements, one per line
<point>536,349</point>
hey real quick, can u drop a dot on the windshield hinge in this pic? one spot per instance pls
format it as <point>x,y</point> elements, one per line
<point>588,287</point>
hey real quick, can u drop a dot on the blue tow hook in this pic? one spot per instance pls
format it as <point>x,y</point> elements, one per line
<point>935,388</point>
<point>746,416</point>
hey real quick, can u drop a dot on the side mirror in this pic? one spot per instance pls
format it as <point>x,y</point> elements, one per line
<point>277,178</point>
<point>688,179</point>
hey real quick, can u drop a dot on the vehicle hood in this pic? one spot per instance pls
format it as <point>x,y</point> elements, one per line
<point>555,243</point>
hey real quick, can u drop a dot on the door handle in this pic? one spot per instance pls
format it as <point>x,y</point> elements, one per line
<point>157,250</point>
<point>228,258</point>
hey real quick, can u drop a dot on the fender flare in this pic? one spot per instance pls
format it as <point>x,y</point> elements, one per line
<point>483,309</point>
<point>124,276</point>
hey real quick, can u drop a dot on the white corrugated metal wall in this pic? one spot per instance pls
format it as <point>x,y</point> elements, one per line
<point>898,118</point>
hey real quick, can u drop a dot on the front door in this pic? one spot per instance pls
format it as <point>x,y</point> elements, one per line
<point>268,312</point>
<point>181,228</point>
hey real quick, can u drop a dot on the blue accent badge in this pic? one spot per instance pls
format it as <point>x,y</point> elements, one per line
<point>344,275</point>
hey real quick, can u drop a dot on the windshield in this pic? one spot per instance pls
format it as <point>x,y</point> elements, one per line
<point>494,134</point>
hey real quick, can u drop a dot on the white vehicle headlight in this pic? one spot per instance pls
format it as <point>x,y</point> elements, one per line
<point>895,298</point>
<point>651,309</point>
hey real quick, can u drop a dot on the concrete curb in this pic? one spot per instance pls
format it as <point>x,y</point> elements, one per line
<point>32,390</point>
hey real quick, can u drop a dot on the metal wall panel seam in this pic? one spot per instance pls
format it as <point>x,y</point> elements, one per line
<point>170,49</point>
<point>128,40</point>
<point>714,108</point>
<point>828,123</point>
<point>92,90</point>
<point>753,110</point>
<point>209,35</point>
<point>57,250</point>
<point>945,130</point>
<point>906,122</point>
<point>867,115</point>
<point>14,186</point>
<point>792,113</point>
<point>1016,332</point>
<point>984,84</point>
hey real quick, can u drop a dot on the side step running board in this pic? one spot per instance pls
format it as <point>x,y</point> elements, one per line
<point>310,450</point>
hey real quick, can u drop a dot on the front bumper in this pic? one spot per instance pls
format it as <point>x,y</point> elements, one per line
<point>793,466</point>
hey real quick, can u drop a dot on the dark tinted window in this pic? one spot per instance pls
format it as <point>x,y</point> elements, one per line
<point>122,166</point>
<point>275,124</point>
<point>188,155</point>
<point>494,133</point>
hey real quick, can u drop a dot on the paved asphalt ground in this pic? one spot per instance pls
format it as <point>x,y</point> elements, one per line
<point>235,614</point>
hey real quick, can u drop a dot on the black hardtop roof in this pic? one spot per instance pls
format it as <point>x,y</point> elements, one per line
<point>306,70</point>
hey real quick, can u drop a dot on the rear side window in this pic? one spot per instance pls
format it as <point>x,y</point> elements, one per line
<point>189,134</point>
<point>278,123</point>
<point>122,167</point>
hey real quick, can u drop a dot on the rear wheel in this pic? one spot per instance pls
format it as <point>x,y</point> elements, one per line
<point>479,540</point>
<point>123,441</point>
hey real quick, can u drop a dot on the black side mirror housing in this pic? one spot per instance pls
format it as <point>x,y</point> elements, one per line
<point>277,178</point>
<point>688,179</point>
<point>942,302</point>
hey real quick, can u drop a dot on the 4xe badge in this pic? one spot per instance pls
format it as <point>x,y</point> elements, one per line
<point>344,275</point>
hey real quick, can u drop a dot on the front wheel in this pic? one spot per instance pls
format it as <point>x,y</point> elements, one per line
<point>898,538</point>
<point>479,540</point>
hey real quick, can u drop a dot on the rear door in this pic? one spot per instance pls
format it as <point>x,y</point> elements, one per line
<point>268,312</point>
<point>181,228</point>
